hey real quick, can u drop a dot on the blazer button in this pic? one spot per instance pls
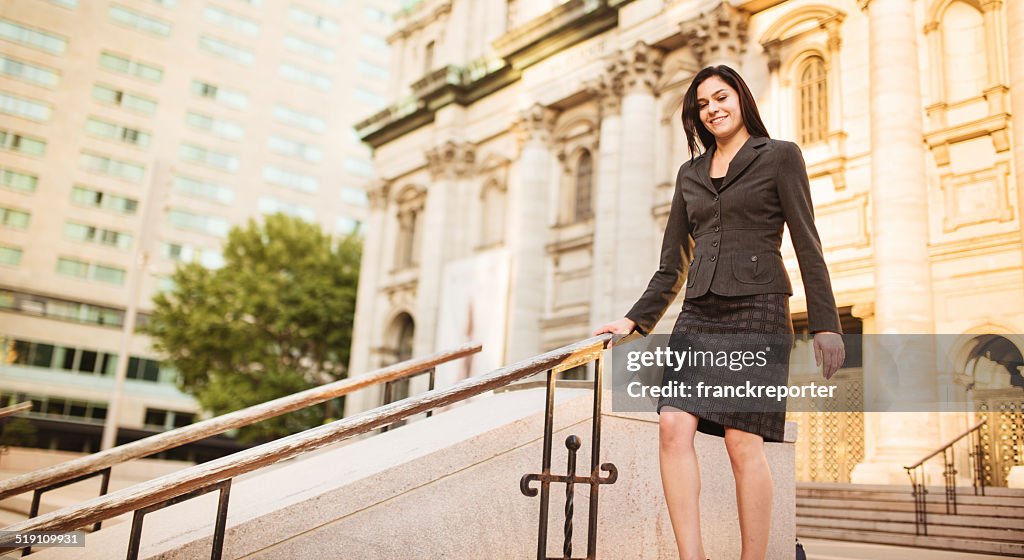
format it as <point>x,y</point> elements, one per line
<point>716,198</point>
<point>713,258</point>
<point>716,228</point>
<point>753,258</point>
<point>714,244</point>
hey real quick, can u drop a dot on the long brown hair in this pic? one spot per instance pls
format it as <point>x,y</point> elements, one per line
<point>695,129</point>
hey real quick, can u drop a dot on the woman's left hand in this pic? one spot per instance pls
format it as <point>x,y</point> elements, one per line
<point>829,348</point>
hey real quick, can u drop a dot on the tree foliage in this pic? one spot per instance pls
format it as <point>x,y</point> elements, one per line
<point>274,320</point>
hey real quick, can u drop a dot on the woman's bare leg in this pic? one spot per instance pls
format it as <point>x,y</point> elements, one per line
<point>680,476</point>
<point>753,491</point>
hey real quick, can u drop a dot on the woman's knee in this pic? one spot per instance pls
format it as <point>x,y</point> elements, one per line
<point>676,429</point>
<point>745,449</point>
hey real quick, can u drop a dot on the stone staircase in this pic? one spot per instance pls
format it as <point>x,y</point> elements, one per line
<point>884,514</point>
<point>448,487</point>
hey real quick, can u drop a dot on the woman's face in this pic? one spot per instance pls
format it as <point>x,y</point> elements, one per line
<point>719,107</point>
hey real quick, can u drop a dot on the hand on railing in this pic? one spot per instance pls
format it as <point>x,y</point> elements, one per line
<point>623,326</point>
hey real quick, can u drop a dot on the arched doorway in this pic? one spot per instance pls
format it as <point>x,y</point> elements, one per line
<point>402,331</point>
<point>993,373</point>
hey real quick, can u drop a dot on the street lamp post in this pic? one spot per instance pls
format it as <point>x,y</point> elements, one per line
<point>151,210</point>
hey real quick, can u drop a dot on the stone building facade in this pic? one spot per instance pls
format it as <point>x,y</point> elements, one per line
<point>526,167</point>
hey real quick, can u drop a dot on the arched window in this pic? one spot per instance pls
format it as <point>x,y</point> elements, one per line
<point>963,52</point>
<point>584,203</point>
<point>812,95</point>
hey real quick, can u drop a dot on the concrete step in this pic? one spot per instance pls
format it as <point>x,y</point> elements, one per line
<point>1011,512</point>
<point>899,488</point>
<point>1014,549</point>
<point>805,511</point>
<point>882,525</point>
<point>936,496</point>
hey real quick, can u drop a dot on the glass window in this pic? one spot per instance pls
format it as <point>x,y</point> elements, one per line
<point>226,50</point>
<point>374,42</point>
<point>93,234</point>
<point>371,70</point>
<point>16,142</point>
<point>142,22</point>
<point>108,166</point>
<point>130,67</point>
<point>204,189</point>
<point>12,218</point>
<point>360,167</point>
<point>184,219</point>
<point>113,96</point>
<point>272,205</point>
<point>72,267</point>
<point>291,179</point>
<point>227,97</point>
<point>199,154</point>
<point>10,256</point>
<point>346,225</point>
<point>18,181</point>
<point>299,119</point>
<point>376,15</point>
<point>231,20</point>
<point>293,73</point>
<point>316,50</point>
<point>295,149</point>
<point>93,198</point>
<point>223,128</point>
<point>372,99</point>
<point>28,72</point>
<point>109,274</point>
<point>113,131</point>
<point>17,33</point>
<point>26,108</point>
<point>354,196</point>
<point>316,21</point>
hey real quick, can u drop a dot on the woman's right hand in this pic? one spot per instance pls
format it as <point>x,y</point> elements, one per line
<point>624,325</point>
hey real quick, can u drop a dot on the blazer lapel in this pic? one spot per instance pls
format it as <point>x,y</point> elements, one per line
<point>747,154</point>
<point>704,170</point>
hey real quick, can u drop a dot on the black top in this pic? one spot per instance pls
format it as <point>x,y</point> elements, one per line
<point>717,182</point>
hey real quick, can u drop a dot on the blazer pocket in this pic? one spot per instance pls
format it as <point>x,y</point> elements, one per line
<point>690,276</point>
<point>753,268</point>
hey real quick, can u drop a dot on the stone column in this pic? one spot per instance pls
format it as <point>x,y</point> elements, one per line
<point>718,36</point>
<point>608,91</point>
<point>635,247</point>
<point>527,234</point>
<point>899,200</point>
<point>772,49</point>
<point>365,329</point>
<point>447,163</point>
<point>1015,48</point>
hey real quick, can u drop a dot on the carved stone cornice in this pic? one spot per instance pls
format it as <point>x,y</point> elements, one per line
<point>718,35</point>
<point>535,125</point>
<point>451,160</point>
<point>638,68</point>
<point>377,194</point>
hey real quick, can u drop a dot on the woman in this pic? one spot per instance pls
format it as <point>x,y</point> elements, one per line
<point>733,200</point>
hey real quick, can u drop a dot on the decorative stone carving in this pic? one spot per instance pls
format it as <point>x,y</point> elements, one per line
<point>451,160</point>
<point>377,194</point>
<point>718,36</point>
<point>534,125</point>
<point>636,69</point>
<point>607,90</point>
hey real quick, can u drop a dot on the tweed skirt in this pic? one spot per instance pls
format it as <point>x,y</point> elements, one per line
<point>756,319</point>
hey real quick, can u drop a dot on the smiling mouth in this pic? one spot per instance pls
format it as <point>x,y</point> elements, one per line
<point>716,120</point>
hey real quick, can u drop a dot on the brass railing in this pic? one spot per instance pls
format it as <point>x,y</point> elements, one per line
<point>217,475</point>
<point>15,408</point>
<point>918,481</point>
<point>99,464</point>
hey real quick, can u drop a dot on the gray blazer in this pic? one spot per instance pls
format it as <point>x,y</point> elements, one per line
<point>737,234</point>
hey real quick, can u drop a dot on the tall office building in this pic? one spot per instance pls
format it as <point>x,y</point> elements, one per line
<point>208,112</point>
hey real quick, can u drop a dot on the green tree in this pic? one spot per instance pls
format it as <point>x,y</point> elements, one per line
<point>274,320</point>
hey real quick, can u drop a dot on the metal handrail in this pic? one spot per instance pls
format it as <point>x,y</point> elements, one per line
<point>99,462</point>
<point>15,408</point>
<point>219,472</point>
<point>918,482</point>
